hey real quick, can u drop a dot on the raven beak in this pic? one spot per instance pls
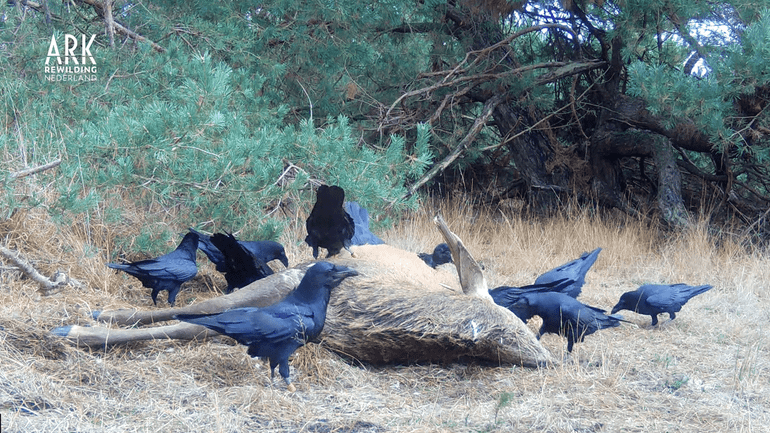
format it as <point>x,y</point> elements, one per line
<point>284,260</point>
<point>342,272</point>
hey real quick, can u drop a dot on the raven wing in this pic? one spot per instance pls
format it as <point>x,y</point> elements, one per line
<point>506,296</point>
<point>251,325</point>
<point>674,295</point>
<point>360,216</point>
<point>174,269</point>
<point>212,252</point>
<point>574,270</point>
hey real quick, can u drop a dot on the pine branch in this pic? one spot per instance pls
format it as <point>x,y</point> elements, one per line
<point>99,9</point>
<point>562,69</point>
<point>480,122</point>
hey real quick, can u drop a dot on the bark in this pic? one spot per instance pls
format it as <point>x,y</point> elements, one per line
<point>669,183</point>
<point>607,182</point>
<point>618,136</point>
<point>530,153</point>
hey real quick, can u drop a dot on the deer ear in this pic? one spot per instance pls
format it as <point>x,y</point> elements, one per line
<point>471,276</point>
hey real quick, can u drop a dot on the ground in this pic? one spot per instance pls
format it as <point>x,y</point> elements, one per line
<point>706,371</point>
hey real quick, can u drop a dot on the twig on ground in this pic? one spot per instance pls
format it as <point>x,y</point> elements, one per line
<point>33,170</point>
<point>47,286</point>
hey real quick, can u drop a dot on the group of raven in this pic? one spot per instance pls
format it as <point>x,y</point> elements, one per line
<point>241,263</point>
<point>276,331</point>
<point>553,299</point>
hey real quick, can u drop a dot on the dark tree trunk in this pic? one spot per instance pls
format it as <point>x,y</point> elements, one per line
<point>607,181</point>
<point>613,140</point>
<point>669,183</point>
<point>531,153</point>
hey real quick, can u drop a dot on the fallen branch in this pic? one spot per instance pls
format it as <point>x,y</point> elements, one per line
<point>48,286</point>
<point>33,170</point>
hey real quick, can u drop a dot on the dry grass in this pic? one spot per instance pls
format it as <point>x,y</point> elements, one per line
<point>707,371</point>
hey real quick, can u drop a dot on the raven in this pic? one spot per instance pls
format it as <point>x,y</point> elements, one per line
<point>575,270</point>
<point>266,251</point>
<point>328,225</point>
<point>653,299</point>
<point>441,254</point>
<point>278,330</point>
<point>508,296</point>
<point>564,315</point>
<point>242,267</point>
<point>362,235</point>
<point>166,272</point>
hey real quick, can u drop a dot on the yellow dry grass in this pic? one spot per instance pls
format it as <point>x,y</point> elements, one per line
<point>707,371</point>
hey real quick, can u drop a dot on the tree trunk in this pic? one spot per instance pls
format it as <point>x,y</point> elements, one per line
<point>669,183</point>
<point>607,182</point>
<point>530,154</point>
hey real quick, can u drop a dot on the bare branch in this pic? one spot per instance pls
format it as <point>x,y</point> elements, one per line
<point>33,170</point>
<point>47,286</point>
<point>480,122</point>
<point>99,9</point>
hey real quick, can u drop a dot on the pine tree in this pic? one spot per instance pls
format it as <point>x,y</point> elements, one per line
<point>608,102</point>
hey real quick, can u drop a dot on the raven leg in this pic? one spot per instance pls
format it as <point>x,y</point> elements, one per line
<point>654,320</point>
<point>172,295</point>
<point>155,296</point>
<point>283,369</point>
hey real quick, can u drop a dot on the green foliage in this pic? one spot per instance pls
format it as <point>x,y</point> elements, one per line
<point>677,381</point>
<point>708,100</point>
<point>673,96</point>
<point>194,135</point>
<point>203,130</point>
<point>505,399</point>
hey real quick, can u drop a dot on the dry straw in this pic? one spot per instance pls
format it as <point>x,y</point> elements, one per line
<point>706,371</point>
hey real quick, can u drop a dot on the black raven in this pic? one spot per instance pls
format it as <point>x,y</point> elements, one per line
<point>653,299</point>
<point>328,225</point>
<point>242,267</point>
<point>564,315</point>
<point>508,296</point>
<point>266,251</point>
<point>166,272</point>
<point>362,235</point>
<point>278,330</point>
<point>575,270</point>
<point>441,254</point>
